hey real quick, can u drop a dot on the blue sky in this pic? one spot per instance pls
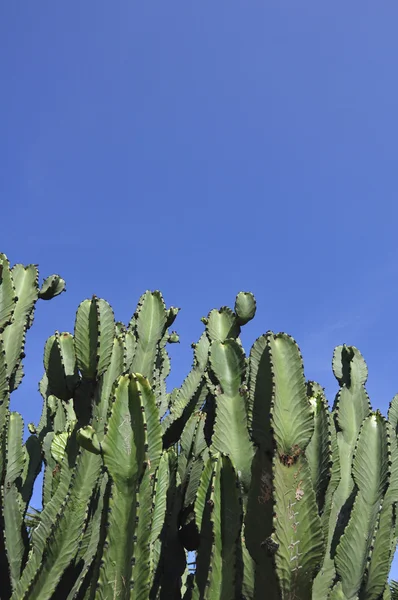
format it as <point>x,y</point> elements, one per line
<point>202,148</point>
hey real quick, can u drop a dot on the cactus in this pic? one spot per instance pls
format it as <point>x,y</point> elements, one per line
<point>244,464</point>
<point>218,518</point>
<point>19,464</point>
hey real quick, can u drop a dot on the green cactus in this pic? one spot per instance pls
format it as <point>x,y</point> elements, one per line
<point>244,464</point>
<point>218,517</point>
<point>81,374</point>
<point>134,433</point>
<point>371,475</point>
<point>19,463</point>
<point>284,499</point>
<point>230,433</point>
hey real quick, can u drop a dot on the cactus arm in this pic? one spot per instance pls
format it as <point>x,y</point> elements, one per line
<point>4,407</point>
<point>68,360</point>
<point>319,451</point>
<point>393,420</point>
<point>352,404</point>
<point>384,543</point>
<point>58,446</point>
<point>52,286</point>
<point>392,493</point>
<point>160,373</point>
<point>156,521</point>
<point>168,556</point>
<point>15,449</point>
<point>190,396</point>
<point>200,501</point>
<point>118,549</point>
<point>13,507</point>
<point>371,474</point>
<point>171,315</point>
<point>227,526</point>
<point>380,558</point>
<point>298,527</point>
<point>168,552</point>
<point>4,417</point>
<point>8,298</point>
<point>159,498</point>
<point>53,447</point>
<point>25,281</point>
<point>201,352</point>
<point>4,388</point>
<point>202,510</point>
<point>349,368</point>
<point>260,394</point>
<point>192,457</point>
<point>15,533</point>
<point>335,474</point>
<point>393,413</point>
<point>126,433</point>
<point>106,383</point>
<point>45,424</point>
<point>60,424</point>
<point>133,436</point>
<point>91,586</point>
<point>350,408</point>
<point>188,400</point>
<point>151,497</point>
<point>218,510</point>
<point>153,427</point>
<point>33,462</point>
<point>131,345</point>
<point>222,324</point>
<point>16,377</point>
<point>142,559</point>
<point>49,519</point>
<point>324,579</point>
<point>94,334</point>
<point>231,435</point>
<point>149,324</point>
<point>192,479</point>
<point>61,548</point>
<point>245,307</point>
<point>60,365</point>
<point>292,419</point>
<point>90,544</point>
<point>192,442</point>
<point>258,528</point>
<point>49,468</point>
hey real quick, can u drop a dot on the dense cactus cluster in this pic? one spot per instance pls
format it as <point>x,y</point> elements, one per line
<point>244,467</point>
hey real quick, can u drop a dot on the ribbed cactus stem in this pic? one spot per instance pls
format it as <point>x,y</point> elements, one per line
<point>231,435</point>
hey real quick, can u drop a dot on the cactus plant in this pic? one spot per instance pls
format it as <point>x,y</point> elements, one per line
<point>19,464</point>
<point>244,465</point>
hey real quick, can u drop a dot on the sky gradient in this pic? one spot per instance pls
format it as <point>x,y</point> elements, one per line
<point>202,149</point>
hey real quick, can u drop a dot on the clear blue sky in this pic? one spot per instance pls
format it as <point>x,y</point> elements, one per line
<point>203,148</point>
